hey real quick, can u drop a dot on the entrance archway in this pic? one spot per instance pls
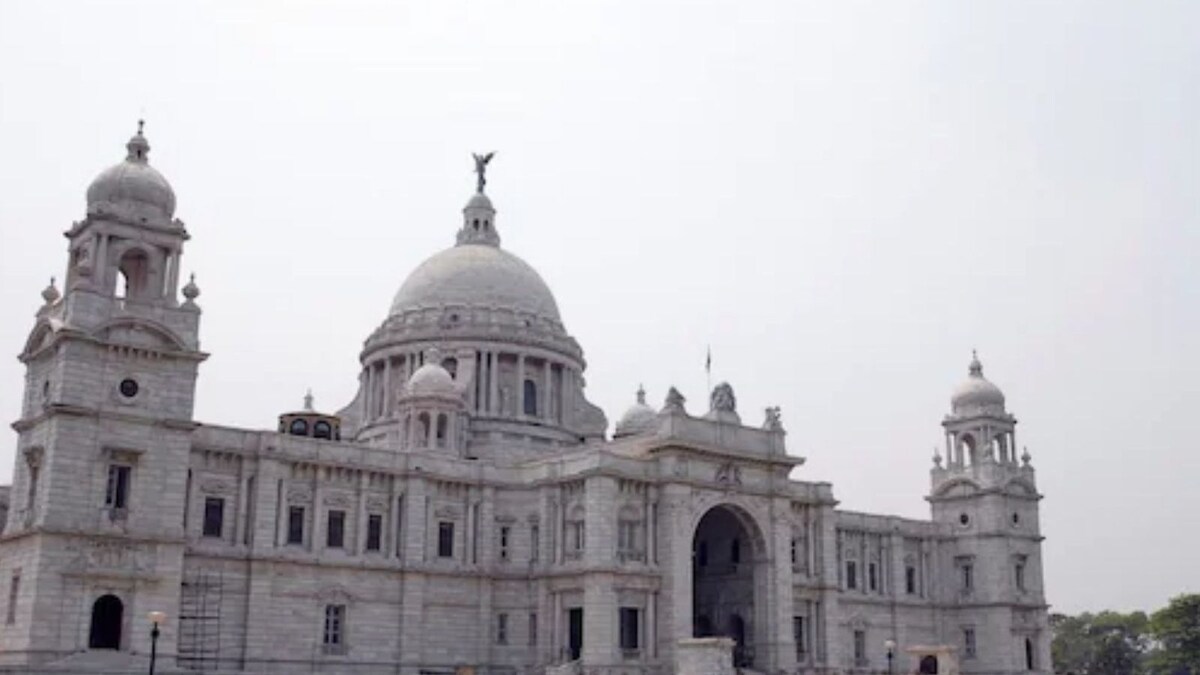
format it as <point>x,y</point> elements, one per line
<point>107,615</point>
<point>727,555</point>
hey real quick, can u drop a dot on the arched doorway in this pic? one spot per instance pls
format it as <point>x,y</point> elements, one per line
<point>107,615</point>
<point>727,552</point>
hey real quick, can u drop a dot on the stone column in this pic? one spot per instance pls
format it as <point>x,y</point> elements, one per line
<point>370,393</point>
<point>390,543</point>
<point>100,267</point>
<point>387,387</point>
<point>315,542</point>
<point>520,393</point>
<point>243,501</point>
<point>544,399</point>
<point>493,384</point>
<point>360,527</point>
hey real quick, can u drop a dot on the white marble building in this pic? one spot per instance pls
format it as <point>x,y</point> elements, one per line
<point>468,509</point>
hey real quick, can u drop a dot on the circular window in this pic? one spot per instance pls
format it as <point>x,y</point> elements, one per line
<point>128,388</point>
<point>964,519</point>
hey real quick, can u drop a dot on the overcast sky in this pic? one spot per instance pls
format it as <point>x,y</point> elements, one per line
<point>843,199</point>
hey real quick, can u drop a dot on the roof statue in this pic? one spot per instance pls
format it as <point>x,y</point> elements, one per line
<point>722,398</point>
<point>773,422</point>
<point>481,162</point>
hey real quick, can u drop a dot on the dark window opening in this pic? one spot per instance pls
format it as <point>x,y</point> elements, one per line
<point>374,532</point>
<point>214,516</point>
<point>323,430</point>
<point>702,554</point>
<point>502,629</point>
<point>798,637</point>
<point>116,494</point>
<point>851,574</point>
<point>295,525</point>
<point>129,388</point>
<point>910,580</point>
<point>334,636</point>
<point>872,580</point>
<point>531,406</point>
<point>445,539</point>
<point>298,428</point>
<point>735,551</point>
<point>629,628</point>
<point>335,534</point>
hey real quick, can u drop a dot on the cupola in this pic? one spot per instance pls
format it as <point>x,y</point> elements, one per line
<point>133,188</point>
<point>638,419</point>
<point>308,422</point>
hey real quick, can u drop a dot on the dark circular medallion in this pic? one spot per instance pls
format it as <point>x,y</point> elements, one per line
<point>964,519</point>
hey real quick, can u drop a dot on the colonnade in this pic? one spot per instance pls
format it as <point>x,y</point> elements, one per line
<point>541,389</point>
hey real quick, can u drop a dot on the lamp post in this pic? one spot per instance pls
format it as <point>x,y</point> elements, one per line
<point>891,653</point>
<point>155,619</point>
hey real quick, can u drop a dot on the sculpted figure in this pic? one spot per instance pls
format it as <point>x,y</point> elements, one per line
<point>481,162</point>
<point>722,398</point>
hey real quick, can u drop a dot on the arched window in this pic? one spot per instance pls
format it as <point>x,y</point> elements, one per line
<point>322,430</point>
<point>531,406</point>
<point>134,269</point>
<point>966,453</point>
<point>442,430</point>
<point>107,616</point>
<point>929,665</point>
<point>423,430</point>
<point>298,428</point>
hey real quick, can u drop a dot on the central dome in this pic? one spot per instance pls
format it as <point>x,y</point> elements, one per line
<point>476,275</point>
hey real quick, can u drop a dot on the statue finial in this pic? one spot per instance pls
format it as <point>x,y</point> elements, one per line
<point>308,400</point>
<point>481,162</point>
<point>141,124</point>
<point>641,395</point>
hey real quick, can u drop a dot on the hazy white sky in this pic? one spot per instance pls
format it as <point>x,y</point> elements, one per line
<point>841,198</point>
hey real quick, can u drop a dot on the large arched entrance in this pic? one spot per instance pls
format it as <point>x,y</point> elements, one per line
<point>107,614</point>
<point>727,554</point>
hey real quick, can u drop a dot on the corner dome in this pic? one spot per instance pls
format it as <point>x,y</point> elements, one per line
<point>133,185</point>
<point>639,418</point>
<point>476,275</point>
<point>431,379</point>
<point>976,394</point>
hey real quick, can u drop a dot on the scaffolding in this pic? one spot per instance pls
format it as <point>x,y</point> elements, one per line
<point>200,620</point>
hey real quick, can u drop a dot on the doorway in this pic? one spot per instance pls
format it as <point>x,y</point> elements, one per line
<point>726,554</point>
<point>107,615</point>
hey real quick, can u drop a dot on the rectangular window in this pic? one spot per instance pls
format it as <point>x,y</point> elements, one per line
<point>214,516</point>
<point>295,533</point>
<point>851,574</point>
<point>534,543</point>
<point>1019,572</point>
<point>502,629</point>
<point>533,629</point>
<point>872,576</point>
<point>577,535</point>
<point>968,576</point>
<point>629,629</point>
<point>374,532</point>
<point>969,643</point>
<point>798,636</point>
<point>335,533</point>
<point>14,590</point>
<point>910,580</point>
<point>860,647</point>
<point>117,493</point>
<point>334,640</point>
<point>794,561</point>
<point>505,532</point>
<point>445,539</point>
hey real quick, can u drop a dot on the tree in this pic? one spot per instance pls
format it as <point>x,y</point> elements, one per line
<point>1108,643</point>
<point>1176,632</point>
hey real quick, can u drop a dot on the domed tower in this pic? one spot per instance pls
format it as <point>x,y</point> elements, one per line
<point>640,418</point>
<point>105,430</point>
<point>986,500</point>
<point>431,409</point>
<point>497,330</point>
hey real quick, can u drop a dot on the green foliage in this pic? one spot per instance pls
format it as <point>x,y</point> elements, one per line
<point>1108,643</point>
<point>1175,630</point>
